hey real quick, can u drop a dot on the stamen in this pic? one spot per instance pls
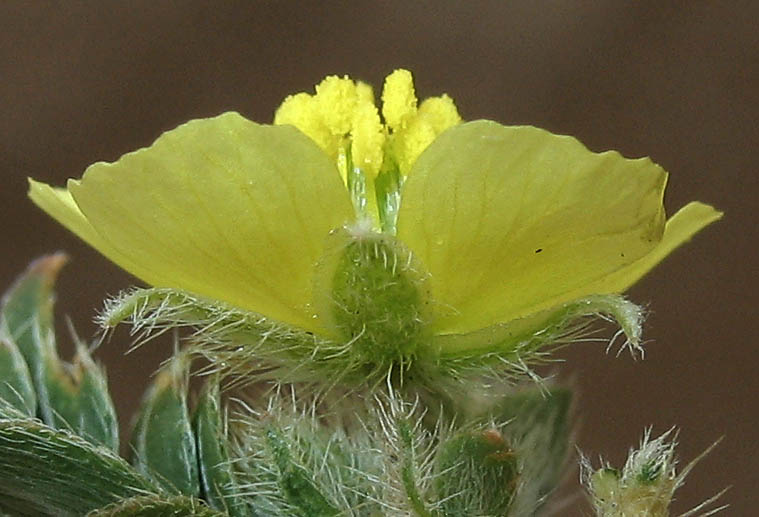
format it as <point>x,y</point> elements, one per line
<point>373,158</point>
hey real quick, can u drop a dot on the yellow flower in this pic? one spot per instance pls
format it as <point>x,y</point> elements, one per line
<point>422,222</point>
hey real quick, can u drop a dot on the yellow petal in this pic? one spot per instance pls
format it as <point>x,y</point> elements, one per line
<point>688,221</point>
<point>510,221</point>
<point>59,204</point>
<point>221,207</point>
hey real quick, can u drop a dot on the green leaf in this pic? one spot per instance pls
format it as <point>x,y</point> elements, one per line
<point>217,477</point>
<point>296,457</point>
<point>73,397</point>
<point>80,399</point>
<point>406,450</point>
<point>27,317</point>
<point>44,471</point>
<point>16,386</point>
<point>154,506</point>
<point>163,441</point>
<point>295,481</point>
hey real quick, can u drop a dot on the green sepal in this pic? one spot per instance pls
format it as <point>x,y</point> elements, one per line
<point>16,387</point>
<point>217,477</point>
<point>477,474</point>
<point>538,423</point>
<point>163,443</point>
<point>27,318</point>
<point>44,471</point>
<point>155,506</point>
<point>508,351</point>
<point>231,339</point>
<point>525,337</point>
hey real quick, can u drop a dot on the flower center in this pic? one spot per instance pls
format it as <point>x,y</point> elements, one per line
<point>372,157</point>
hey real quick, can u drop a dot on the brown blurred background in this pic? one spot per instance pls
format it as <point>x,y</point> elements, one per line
<point>678,81</point>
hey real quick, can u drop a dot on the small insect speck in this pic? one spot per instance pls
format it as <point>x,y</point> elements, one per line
<point>538,250</point>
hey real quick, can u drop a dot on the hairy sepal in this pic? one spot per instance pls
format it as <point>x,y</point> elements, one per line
<point>254,347</point>
<point>247,346</point>
<point>235,342</point>
<point>507,352</point>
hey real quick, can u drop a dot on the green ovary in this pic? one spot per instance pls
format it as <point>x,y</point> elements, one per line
<point>378,299</point>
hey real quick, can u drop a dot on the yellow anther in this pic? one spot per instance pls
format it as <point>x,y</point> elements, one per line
<point>300,110</point>
<point>368,139</point>
<point>336,101</point>
<point>364,93</point>
<point>435,115</point>
<point>409,144</point>
<point>440,113</point>
<point>343,120</point>
<point>398,99</point>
